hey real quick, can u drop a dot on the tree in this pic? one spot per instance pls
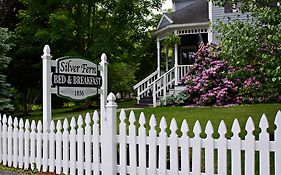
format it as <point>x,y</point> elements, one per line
<point>9,10</point>
<point>255,43</point>
<point>5,88</point>
<point>83,28</point>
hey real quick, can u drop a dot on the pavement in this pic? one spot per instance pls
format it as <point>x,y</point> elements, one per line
<point>9,173</point>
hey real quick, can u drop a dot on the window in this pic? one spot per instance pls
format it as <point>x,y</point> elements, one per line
<point>230,7</point>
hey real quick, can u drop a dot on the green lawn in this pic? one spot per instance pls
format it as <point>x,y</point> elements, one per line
<point>191,114</point>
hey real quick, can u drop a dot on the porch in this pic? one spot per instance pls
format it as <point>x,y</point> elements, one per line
<point>166,80</point>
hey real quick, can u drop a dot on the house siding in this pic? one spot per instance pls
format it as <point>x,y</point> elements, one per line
<point>218,14</point>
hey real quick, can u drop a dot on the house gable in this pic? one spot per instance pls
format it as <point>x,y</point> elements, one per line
<point>165,21</point>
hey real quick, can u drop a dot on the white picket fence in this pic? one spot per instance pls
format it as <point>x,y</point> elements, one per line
<point>90,147</point>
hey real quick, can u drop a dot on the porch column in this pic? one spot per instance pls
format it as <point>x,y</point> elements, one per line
<point>167,61</point>
<point>176,65</point>
<point>210,28</point>
<point>158,56</point>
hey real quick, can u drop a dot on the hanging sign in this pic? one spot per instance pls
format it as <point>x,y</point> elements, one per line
<point>76,78</point>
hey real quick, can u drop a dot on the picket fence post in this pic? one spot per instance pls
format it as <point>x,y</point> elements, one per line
<point>109,150</point>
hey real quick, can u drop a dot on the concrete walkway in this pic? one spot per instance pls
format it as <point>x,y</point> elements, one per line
<point>9,173</point>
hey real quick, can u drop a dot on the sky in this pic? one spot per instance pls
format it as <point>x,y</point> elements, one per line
<point>167,4</point>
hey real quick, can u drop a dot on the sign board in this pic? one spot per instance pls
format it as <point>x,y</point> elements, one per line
<point>73,78</point>
<point>76,78</point>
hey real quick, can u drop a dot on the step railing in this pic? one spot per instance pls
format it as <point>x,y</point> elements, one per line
<point>167,81</point>
<point>162,84</point>
<point>142,87</point>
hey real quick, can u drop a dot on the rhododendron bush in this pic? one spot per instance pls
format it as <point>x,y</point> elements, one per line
<point>213,81</point>
<point>207,82</point>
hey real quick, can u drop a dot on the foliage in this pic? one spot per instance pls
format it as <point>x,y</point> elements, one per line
<point>207,83</point>
<point>5,88</point>
<point>121,77</point>
<point>178,99</point>
<point>171,40</point>
<point>119,28</point>
<point>8,12</point>
<point>255,43</point>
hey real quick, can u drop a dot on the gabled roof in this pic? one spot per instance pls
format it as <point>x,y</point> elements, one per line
<point>196,12</point>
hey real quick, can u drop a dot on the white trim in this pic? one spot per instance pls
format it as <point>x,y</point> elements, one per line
<point>193,31</point>
<point>158,54</point>
<point>164,16</point>
<point>210,34</point>
<point>178,26</point>
<point>169,19</point>
<point>210,11</point>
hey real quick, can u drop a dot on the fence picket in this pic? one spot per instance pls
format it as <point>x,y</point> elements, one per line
<point>96,144</point>
<point>264,147</point>
<point>27,144</point>
<point>65,145</point>
<point>1,153</point>
<point>10,138</point>
<point>32,146</point>
<point>196,149</point>
<point>58,138</point>
<point>174,162</point>
<point>4,140</point>
<point>45,138</point>
<point>236,149</point>
<point>250,148</point>
<point>277,139</point>
<point>80,146</point>
<point>52,147</point>
<point>163,147</point>
<point>142,145</point>
<point>15,143</point>
<point>88,142</point>
<point>21,141</point>
<point>152,145</point>
<point>72,140</point>
<point>222,149</point>
<point>39,146</point>
<point>209,150</point>
<point>132,143</point>
<point>184,142</point>
<point>123,144</point>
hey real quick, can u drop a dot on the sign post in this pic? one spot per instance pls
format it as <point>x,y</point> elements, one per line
<point>74,78</point>
<point>47,106</point>
<point>103,94</point>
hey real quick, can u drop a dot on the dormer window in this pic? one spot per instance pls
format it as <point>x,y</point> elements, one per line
<point>231,7</point>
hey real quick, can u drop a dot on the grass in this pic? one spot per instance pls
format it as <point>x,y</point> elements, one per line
<point>190,114</point>
<point>16,170</point>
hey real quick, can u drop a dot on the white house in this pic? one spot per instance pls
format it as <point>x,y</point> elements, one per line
<point>188,19</point>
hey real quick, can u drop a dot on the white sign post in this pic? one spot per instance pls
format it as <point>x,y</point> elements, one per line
<point>47,106</point>
<point>74,78</point>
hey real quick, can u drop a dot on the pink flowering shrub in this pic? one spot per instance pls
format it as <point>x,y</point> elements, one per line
<point>249,90</point>
<point>207,83</point>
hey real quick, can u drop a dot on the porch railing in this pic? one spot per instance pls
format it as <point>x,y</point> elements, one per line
<point>160,86</point>
<point>143,86</point>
